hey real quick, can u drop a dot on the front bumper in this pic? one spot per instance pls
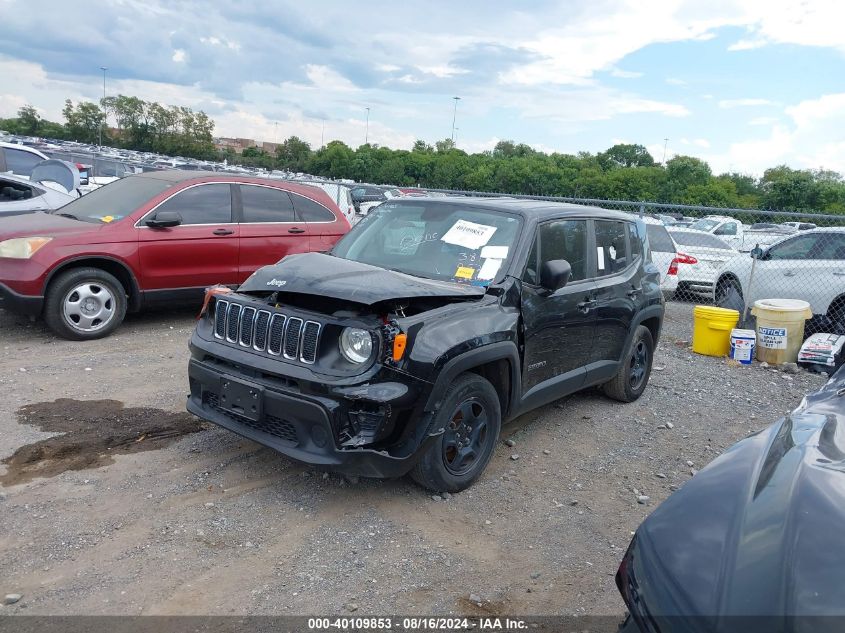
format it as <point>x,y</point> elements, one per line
<point>303,420</point>
<point>19,304</point>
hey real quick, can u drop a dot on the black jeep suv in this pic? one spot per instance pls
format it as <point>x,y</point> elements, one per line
<point>427,326</point>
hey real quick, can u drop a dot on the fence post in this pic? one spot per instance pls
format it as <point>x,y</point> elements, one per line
<point>642,210</point>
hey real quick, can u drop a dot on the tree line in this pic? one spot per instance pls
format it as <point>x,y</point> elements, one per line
<point>139,125</point>
<point>622,172</point>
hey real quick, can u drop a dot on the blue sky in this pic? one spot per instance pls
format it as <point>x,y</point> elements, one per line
<point>743,84</point>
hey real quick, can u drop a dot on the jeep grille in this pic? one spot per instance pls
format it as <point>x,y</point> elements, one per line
<point>267,331</point>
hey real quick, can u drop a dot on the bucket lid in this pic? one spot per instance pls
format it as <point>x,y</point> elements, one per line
<point>784,305</point>
<point>712,312</point>
<point>739,333</point>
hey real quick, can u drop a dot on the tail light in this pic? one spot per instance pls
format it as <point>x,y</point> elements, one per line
<point>680,258</point>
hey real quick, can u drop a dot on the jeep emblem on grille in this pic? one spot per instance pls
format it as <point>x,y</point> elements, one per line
<point>276,282</point>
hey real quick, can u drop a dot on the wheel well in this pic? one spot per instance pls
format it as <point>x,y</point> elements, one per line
<point>653,325</point>
<point>121,272</point>
<point>498,374</point>
<point>836,311</point>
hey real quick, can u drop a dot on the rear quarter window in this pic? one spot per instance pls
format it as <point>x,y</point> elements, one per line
<point>311,211</point>
<point>659,239</point>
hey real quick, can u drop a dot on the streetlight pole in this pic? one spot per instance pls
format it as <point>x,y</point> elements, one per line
<point>367,132</point>
<point>322,134</point>
<point>665,143</point>
<point>104,69</point>
<point>454,115</point>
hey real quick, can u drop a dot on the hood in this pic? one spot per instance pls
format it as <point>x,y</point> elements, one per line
<point>42,224</point>
<point>327,276</point>
<point>759,531</point>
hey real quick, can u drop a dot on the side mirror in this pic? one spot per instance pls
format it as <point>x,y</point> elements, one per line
<point>555,274</point>
<point>164,219</point>
<point>757,252</point>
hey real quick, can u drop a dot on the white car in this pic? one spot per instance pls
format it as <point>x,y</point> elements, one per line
<point>664,254</point>
<point>706,254</point>
<point>340,193</point>
<point>52,184</point>
<point>809,265</point>
<point>19,160</point>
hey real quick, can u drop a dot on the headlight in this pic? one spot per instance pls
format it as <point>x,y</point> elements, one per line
<point>356,345</point>
<point>22,247</point>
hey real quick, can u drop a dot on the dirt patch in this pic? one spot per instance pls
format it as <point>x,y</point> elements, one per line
<point>93,431</point>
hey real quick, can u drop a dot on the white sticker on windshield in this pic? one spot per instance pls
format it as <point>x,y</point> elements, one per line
<point>600,253</point>
<point>469,234</point>
<point>489,269</point>
<point>494,252</point>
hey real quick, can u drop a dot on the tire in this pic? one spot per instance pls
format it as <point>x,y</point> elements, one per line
<point>723,286</point>
<point>84,304</point>
<point>447,466</point>
<point>630,381</point>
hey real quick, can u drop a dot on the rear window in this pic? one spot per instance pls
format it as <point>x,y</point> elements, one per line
<point>116,200</point>
<point>658,239</point>
<point>704,240</point>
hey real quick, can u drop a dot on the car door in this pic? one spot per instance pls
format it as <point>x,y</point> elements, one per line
<point>324,226</point>
<point>810,267</point>
<point>618,288</point>
<point>269,226</point>
<point>558,326</point>
<point>202,251</point>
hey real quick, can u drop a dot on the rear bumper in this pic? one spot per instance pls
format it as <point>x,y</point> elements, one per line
<point>19,304</point>
<point>299,425</point>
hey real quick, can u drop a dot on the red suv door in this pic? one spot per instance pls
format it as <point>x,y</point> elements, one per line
<point>324,225</point>
<point>200,252</point>
<point>270,228</point>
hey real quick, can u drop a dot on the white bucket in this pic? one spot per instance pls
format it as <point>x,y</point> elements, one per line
<point>742,345</point>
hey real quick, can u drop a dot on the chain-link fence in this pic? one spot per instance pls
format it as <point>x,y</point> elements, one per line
<point>733,257</point>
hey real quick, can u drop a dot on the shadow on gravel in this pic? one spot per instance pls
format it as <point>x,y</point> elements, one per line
<point>93,431</point>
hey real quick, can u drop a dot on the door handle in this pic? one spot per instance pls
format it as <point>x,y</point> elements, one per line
<point>839,273</point>
<point>223,231</point>
<point>586,306</point>
<point>296,230</point>
<point>789,273</point>
<point>633,292</point>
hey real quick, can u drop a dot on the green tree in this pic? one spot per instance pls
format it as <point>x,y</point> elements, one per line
<point>293,154</point>
<point>625,155</point>
<point>29,120</point>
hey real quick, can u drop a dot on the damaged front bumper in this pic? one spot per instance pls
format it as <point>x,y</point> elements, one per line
<point>374,428</point>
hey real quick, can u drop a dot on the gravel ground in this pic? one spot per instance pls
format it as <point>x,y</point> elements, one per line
<point>210,523</point>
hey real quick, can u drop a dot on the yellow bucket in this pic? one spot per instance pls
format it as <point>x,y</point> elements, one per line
<point>780,329</point>
<point>711,330</point>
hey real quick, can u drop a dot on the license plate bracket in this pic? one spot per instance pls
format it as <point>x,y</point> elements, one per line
<point>241,398</point>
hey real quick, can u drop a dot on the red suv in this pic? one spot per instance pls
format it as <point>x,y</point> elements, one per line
<point>157,237</point>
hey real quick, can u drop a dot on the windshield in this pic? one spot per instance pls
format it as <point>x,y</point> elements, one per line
<point>704,224</point>
<point>435,240</point>
<point>114,201</point>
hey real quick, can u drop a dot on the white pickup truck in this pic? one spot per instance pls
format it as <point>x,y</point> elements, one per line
<point>735,233</point>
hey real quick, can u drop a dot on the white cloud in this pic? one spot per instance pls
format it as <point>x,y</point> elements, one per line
<point>179,56</point>
<point>697,142</point>
<point>624,74</point>
<point>806,142</point>
<point>743,103</point>
<point>675,81</point>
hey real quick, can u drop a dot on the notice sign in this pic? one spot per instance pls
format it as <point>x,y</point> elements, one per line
<point>771,337</point>
<point>469,234</point>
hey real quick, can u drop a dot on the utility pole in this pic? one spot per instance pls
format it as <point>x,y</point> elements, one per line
<point>665,143</point>
<point>367,132</point>
<point>322,134</point>
<point>104,69</point>
<point>275,133</point>
<point>454,115</point>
